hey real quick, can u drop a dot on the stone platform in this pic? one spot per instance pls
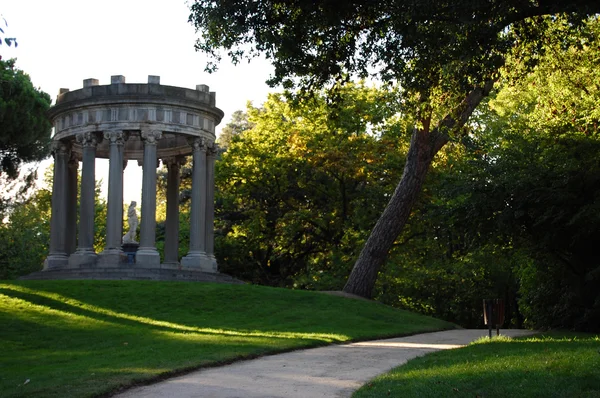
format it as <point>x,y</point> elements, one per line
<point>133,273</point>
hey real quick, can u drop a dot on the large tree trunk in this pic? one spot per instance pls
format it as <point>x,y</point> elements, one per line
<point>424,145</point>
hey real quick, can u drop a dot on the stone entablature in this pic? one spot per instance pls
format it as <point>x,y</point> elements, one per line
<point>177,112</point>
<point>121,122</point>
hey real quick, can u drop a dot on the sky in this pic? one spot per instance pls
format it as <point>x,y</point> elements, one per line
<point>63,42</point>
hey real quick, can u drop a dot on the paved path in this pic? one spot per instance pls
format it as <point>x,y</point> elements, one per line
<point>332,371</point>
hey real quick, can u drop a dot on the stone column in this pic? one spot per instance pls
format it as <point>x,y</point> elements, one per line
<point>72,204</point>
<point>57,256</point>
<point>125,162</point>
<point>172,224</point>
<point>112,254</point>
<point>196,256</point>
<point>85,250</point>
<point>147,253</point>
<point>210,206</point>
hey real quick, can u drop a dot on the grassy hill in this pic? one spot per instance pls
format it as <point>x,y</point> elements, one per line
<point>88,338</point>
<point>554,364</point>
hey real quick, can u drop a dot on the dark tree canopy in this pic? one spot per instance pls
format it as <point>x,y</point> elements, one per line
<point>443,56</point>
<point>24,128</point>
<point>410,42</point>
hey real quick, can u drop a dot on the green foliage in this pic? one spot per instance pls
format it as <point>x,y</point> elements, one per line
<point>298,191</point>
<point>514,212</point>
<point>185,189</point>
<point>237,125</point>
<point>560,95</point>
<point>25,236</point>
<point>100,214</point>
<point>89,338</point>
<point>419,44</point>
<point>422,277</point>
<point>24,127</point>
<point>553,365</point>
<point>531,202</point>
<point>545,180</point>
<point>443,58</point>
<point>25,230</point>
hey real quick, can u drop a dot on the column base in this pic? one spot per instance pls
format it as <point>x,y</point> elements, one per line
<point>198,261</point>
<point>111,258</point>
<point>55,261</point>
<point>213,262</point>
<point>170,264</point>
<point>147,257</point>
<point>83,257</point>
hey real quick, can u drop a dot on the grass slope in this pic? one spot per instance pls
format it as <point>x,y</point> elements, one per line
<point>551,365</point>
<point>86,338</point>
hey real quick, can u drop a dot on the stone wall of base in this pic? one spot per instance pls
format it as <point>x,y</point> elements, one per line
<point>133,273</point>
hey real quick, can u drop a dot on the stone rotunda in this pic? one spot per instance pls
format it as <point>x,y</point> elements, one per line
<point>124,122</point>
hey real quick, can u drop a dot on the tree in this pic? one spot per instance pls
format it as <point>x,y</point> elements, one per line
<point>25,235</point>
<point>298,190</point>
<point>533,196</point>
<point>24,127</point>
<point>237,125</point>
<point>514,211</point>
<point>25,230</point>
<point>545,177</point>
<point>444,58</point>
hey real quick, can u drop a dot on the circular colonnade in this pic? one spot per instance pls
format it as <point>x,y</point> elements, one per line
<point>122,122</point>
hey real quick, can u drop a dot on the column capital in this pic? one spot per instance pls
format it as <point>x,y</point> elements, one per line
<point>197,143</point>
<point>116,137</point>
<point>74,159</point>
<point>88,139</point>
<point>150,137</point>
<point>213,148</point>
<point>140,163</point>
<point>60,148</point>
<point>174,161</point>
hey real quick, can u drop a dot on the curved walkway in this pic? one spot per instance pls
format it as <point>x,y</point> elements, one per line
<point>332,371</point>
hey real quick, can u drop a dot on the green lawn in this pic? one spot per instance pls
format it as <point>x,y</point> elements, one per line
<point>550,365</point>
<point>85,338</point>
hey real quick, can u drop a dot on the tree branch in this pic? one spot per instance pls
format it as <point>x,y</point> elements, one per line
<point>459,116</point>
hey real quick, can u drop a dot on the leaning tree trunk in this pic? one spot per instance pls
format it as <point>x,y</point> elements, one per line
<point>424,145</point>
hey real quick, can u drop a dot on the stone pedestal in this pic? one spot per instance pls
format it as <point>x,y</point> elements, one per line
<point>148,257</point>
<point>130,250</point>
<point>83,258</point>
<point>111,258</point>
<point>56,260</point>
<point>198,261</point>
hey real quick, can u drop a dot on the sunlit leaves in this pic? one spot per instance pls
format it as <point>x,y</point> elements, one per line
<point>561,95</point>
<point>301,187</point>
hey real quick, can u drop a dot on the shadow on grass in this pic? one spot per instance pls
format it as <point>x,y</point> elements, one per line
<point>53,349</point>
<point>89,338</point>
<point>69,305</point>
